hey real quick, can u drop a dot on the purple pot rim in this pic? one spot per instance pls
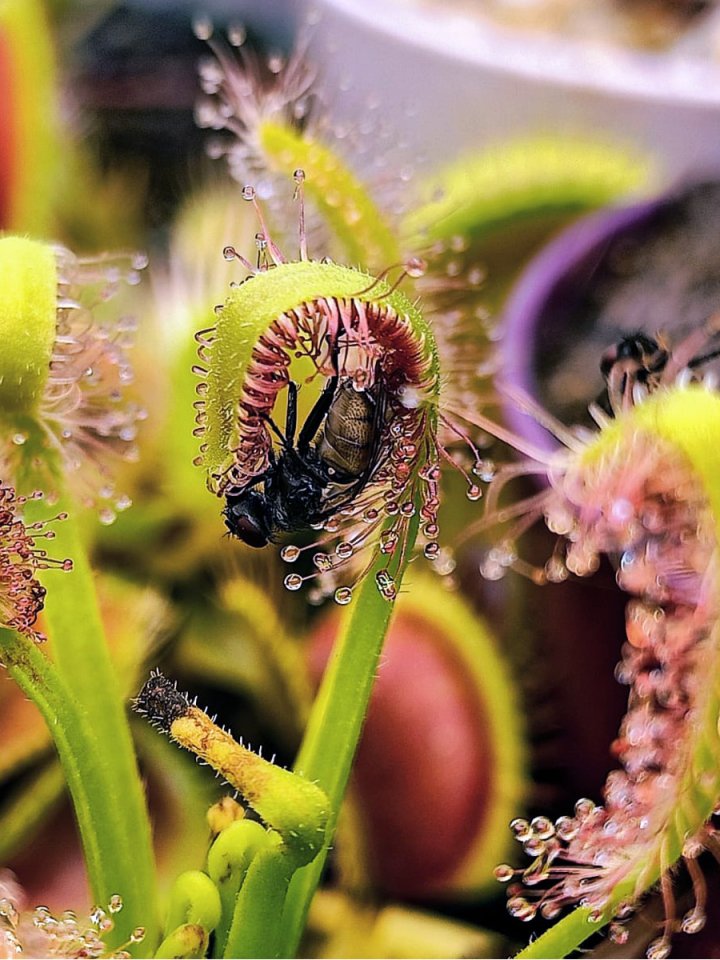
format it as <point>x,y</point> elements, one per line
<point>528,301</point>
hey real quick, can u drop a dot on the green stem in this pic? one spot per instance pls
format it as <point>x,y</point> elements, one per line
<point>567,935</point>
<point>562,938</point>
<point>97,750</point>
<point>255,930</point>
<point>336,722</point>
<point>83,757</point>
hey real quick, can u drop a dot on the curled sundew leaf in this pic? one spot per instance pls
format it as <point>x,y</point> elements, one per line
<point>194,899</point>
<point>341,323</point>
<point>646,490</point>
<point>251,310</point>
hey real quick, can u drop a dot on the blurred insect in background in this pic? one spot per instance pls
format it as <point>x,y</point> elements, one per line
<point>638,364</point>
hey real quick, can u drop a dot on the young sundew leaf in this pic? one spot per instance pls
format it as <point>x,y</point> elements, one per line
<point>647,490</point>
<point>522,180</point>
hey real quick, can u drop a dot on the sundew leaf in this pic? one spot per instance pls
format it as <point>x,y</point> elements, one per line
<point>249,311</point>
<point>523,180</point>
<point>330,304</point>
<point>679,427</point>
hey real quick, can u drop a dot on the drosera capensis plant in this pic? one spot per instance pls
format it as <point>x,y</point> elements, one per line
<point>351,325</point>
<point>644,492</point>
<point>63,417</point>
<point>335,326</point>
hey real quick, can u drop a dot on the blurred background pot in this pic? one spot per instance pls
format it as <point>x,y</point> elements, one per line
<point>449,79</point>
<point>650,267</point>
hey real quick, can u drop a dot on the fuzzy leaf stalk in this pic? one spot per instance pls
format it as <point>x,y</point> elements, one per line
<point>65,418</point>
<point>250,863</point>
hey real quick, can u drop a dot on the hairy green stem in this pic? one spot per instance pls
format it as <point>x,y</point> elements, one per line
<point>568,934</point>
<point>336,722</point>
<point>564,937</point>
<point>255,930</point>
<point>100,816</point>
<point>93,739</point>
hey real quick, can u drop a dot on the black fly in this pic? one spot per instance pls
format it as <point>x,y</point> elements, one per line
<point>641,361</point>
<point>636,359</point>
<point>307,482</point>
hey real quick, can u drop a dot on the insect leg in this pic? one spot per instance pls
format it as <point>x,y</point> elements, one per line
<point>291,416</point>
<point>688,352</point>
<point>275,429</point>
<point>317,414</point>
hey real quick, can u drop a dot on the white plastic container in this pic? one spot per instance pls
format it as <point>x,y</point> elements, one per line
<point>447,81</point>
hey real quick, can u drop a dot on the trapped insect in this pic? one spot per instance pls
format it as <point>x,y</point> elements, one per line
<point>638,364</point>
<point>337,450</point>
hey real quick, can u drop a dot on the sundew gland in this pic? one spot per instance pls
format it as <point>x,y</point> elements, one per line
<point>646,491</point>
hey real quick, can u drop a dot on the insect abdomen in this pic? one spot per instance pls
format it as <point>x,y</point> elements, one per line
<point>346,441</point>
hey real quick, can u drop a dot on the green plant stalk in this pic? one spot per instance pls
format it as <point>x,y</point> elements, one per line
<point>107,792</point>
<point>83,757</point>
<point>572,931</point>
<point>229,860</point>
<point>336,722</point>
<point>564,937</point>
<point>255,930</point>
